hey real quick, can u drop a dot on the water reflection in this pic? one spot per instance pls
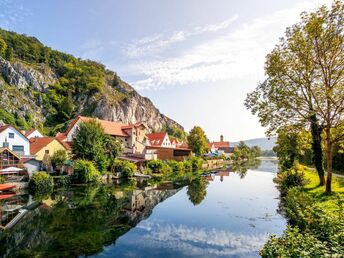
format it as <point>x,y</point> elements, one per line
<point>220,214</point>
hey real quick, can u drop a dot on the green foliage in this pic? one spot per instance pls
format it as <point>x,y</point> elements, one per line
<point>7,117</point>
<point>62,181</point>
<point>196,163</point>
<point>176,132</point>
<point>197,190</point>
<point>187,165</point>
<point>59,158</point>
<point>176,166</point>
<point>2,180</point>
<point>243,152</point>
<point>85,171</point>
<point>158,166</point>
<point>198,141</point>
<point>40,183</point>
<point>293,177</point>
<point>126,168</point>
<point>3,47</point>
<point>91,143</point>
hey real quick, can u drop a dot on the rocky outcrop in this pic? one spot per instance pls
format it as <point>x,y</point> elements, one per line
<point>22,88</point>
<point>23,76</point>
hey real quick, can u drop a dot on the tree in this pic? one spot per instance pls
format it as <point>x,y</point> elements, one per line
<point>198,141</point>
<point>91,143</point>
<point>59,158</point>
<point>197,190</point>
<point>304,84</point>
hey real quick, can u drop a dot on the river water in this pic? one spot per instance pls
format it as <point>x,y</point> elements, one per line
<point>222,214</point>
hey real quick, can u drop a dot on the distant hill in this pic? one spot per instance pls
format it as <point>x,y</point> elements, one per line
<point>263,143</point>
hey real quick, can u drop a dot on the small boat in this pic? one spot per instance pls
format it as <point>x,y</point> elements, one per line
<point>6,187</point>
<point>6,196</point>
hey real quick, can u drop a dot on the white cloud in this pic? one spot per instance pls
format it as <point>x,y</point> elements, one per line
<point>237,54</point>
<point>157,43</point>
<point>199,241</point>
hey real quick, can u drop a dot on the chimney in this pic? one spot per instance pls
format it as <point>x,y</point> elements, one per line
<point>5,144</point>
<point>221,138</point>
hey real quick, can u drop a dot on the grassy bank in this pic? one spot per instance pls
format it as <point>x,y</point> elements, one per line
<point>315,219</point>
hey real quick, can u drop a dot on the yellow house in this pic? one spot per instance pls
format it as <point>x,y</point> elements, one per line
<point>45,145</point>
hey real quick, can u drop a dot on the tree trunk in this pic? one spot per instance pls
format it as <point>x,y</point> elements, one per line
<point>317,149</point>
<point>328,161</point>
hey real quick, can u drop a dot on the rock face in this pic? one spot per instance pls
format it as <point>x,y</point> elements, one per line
<point>22,89</point>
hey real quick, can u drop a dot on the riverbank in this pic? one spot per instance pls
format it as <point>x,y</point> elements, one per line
<point>315,219</point>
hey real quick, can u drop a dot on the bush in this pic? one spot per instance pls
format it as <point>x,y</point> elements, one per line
<point>295,244</point>
<point>2,180</point>
<point>293,177</point>
<point>176,166</point>
<point>196,163</point>
<point>126,168</point>
<point>41,182</point>
<point>158,166</point>
<point>59,158</point>
<point>187,165</point>
<point>61,181</point>
<point>85,171</point>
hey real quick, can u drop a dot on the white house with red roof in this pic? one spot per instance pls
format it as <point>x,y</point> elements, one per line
<point>14,140</point>
<point>132,136</point>
<point>32,133</point>
<point>221,147</point>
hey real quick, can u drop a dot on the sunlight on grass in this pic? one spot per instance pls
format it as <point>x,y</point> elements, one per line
<point>318,192</point>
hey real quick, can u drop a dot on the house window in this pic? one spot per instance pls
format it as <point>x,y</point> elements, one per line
<point>46,151</point>
<point>11,135</point>
<point>19,149</point>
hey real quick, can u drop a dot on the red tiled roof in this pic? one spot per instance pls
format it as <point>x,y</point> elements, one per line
<point>156,139</point>
<point>110,127</point>
<point>220,144</point>
<point>3,128</point>
<point>61,136</point>
<point>36,144</point>
<point>28,132</point>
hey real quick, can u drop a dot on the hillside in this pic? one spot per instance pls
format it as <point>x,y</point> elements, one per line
<point>45,88</point>
<point>263,143</point>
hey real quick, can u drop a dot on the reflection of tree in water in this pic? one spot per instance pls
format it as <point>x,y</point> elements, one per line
<point>78,221</point>
<point>197,190</point>
<point>241,168</point>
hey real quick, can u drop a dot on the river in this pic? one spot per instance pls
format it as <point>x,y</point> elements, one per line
<point>222,214</point>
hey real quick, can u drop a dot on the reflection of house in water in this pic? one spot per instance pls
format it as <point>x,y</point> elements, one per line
<point>222,174</point>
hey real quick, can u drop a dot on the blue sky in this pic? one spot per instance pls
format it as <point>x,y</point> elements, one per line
<point>195,59</point>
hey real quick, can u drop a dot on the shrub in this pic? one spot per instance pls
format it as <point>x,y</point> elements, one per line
<point>294,244</point>
<point>158,166</point>
<point>187,165</point>
<point>176,166</point>
<point>196,163</point>
<point>126,168</point>
<point>61,181</point>
<point>2,180</point>
<point>59,158</point>
<point>85,171</point>
<point>41,182</point>
<point>293,177</point>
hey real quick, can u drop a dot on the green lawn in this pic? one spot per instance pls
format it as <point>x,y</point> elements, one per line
<point>318,192</point>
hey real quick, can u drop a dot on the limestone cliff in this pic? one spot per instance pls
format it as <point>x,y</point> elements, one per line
<point>36,80</point>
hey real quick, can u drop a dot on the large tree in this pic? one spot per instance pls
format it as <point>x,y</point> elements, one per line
<point>198,141</point>
<point>304,84</point>
<point>91,143</point>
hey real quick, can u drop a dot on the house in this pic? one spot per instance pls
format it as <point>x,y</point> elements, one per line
<point>8,158</point>
<point>222,147</point>
<point>32,133</point>
<point>43,146</point>
<point>166,147</point>
<point>13,139</point>
<point>31,165</point>
<point>132,136</point>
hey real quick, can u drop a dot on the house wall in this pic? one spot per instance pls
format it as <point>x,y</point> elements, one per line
<point>18,140</point>
<point>52,147</point>
<point>139,140</point>
<point>32,166</point>
<point>34,134</point>
<point>71,133</point>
